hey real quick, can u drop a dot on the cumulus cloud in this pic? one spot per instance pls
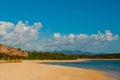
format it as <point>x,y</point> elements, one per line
<point>71,36</point>
<point>19,34</point>
<point>27,37</point>
<point>83,41</point>
<point>5,27</point>
<point>82,36</point>
<point>107,36</point>
<point>57,35</point>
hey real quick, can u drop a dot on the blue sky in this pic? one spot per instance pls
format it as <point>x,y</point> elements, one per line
<point>61,21</point>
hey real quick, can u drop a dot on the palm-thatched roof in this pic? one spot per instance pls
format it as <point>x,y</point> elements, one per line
<point>12,51</point>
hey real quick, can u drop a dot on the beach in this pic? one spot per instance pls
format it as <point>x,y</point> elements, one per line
<point>35,70</point>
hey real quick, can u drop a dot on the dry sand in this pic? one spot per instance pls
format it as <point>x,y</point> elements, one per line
<point>32,70</point>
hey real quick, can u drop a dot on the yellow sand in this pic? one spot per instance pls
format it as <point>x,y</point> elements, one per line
<point>32,70</point>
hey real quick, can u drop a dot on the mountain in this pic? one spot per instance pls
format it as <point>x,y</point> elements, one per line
<point>75,52</point>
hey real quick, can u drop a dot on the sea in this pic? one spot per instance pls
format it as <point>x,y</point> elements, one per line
<point>110,67</point>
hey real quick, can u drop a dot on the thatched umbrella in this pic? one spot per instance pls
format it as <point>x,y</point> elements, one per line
<point>3,49</point>
<point>12,51</point>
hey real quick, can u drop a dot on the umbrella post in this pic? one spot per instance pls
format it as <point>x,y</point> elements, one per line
<point>19,59</point>
<point>16,59</point>
<point>8,59</point>
<point>12,60</point>
<point>3,59</point>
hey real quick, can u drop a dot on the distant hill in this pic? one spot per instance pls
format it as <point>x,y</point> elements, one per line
<point>74,52</point>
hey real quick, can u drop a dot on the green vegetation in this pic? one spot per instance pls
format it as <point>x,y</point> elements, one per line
<point>61,56</point>
<point>107,56</point>
<point>49,56</point>
<point>100,56</point>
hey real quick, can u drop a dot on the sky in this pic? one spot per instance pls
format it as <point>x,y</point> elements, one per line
<point>48,25</point>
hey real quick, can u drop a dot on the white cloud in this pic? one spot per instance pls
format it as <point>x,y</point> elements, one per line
<point>72,36</point>
<point>57,35</point>
<point>107,36</point>
<point>82,36</point>
<point>20,34</point>
<point>37,25</point>
<point>5,27</point>
<point>83,41</point>
<point>27,37</point>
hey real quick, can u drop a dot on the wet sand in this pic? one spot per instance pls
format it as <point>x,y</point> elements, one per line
<point>33,70</point>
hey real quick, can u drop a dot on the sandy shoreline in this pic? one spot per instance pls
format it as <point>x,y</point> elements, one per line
<point>33,70</point>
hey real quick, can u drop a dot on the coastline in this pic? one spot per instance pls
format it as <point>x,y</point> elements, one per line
<point>33,70</point>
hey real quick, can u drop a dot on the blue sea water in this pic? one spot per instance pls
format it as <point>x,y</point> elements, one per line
<point>111,67</point>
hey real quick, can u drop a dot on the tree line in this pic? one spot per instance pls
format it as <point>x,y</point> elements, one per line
<point>49,56</point>
<point>33,55</point>
<point>61,56</point>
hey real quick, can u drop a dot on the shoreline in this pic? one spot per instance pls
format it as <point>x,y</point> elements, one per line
<point>78,60</point>
<point>81,60</point>
<point>34,70</point>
